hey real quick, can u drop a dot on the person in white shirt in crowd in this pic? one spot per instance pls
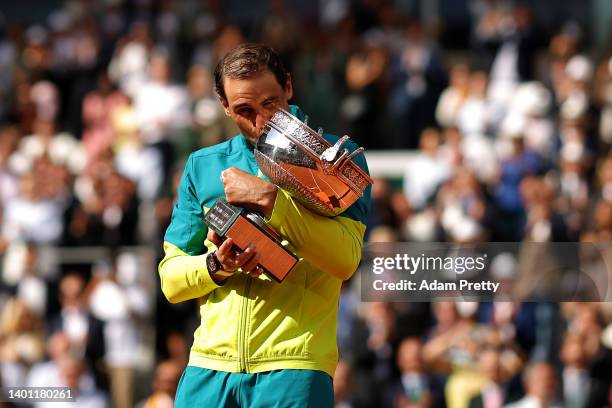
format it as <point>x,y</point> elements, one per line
<point>474,116</point>
<point>84,394</point>
<point>32,288</point>
<point>575,378</point>
<point>85,332</point>
<point>46,373</point>
<point>128,66</point>
<point>426,171</point>
<point>162,108</point>
<point>454,96</point>
<point>119,299</point>
<point>541,385</point>
<point>31,216</point>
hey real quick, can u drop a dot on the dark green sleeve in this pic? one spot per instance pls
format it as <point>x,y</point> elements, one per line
<point>187,230</point>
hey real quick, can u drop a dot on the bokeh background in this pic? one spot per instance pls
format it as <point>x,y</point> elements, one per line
<point>483,120</point>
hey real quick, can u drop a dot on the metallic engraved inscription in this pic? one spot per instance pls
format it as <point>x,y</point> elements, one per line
<point>355,177</point>
<point>220,215</point>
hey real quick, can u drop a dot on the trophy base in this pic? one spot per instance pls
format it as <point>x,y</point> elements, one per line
<point>244,228</point>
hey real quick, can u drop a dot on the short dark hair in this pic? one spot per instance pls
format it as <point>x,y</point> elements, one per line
<point>246,61</point>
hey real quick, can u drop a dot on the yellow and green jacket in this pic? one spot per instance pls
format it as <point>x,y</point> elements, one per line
<point>255,324</point>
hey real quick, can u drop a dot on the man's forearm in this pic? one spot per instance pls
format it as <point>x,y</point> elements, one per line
<point>184,277</point>
<point>331,244</point>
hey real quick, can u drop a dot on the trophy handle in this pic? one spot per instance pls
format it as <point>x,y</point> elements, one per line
<point>331,152</point>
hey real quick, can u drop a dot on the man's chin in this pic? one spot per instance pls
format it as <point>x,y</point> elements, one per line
<point>251,138</point>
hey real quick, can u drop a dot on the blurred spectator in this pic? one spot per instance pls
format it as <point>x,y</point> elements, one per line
<point>373,349</point>
<point>32,216</point>
<point>426,171</point>
<point>575,376</point>
<point>474,116</point>
<point>116,299</point>
<point>165,383</point>
<point>85,332</point>
<point>463,208</point>
<point>32,288</point>
<point>100,107</point>
<point>365,78</point>
<point>518,164</point>
<point>417,80</point>
<point>9,138</point>
<point>85,394</point>
<point>46,373</point>
<point>141,163</point>
<point>453,96</point>
<point>106,211</point>
<point>541,387</point>
<point>344,386</point>
<point>389,208</point>
<point>129,64</point>
<point>416,388</point>
<point>161,107</point>
<point>209,124</point>
<point>21,342</point>
<point>543,223</point>
<point>496,391</point>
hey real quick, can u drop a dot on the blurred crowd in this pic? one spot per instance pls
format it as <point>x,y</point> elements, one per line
<point>101,102</point>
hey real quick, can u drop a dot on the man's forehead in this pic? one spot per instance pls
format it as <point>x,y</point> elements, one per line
<point>256,87</point>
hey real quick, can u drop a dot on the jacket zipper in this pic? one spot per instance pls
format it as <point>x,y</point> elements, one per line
<point>244,325</point>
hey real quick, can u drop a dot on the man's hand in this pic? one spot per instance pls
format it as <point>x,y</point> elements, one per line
<point>231,259</point>
<point>249,192</point>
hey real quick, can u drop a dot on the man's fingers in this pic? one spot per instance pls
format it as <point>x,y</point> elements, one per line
<point>251,264</point>
<point>246,255</point>
<point>256,271</point>
<point>213,237</point>
<point>225,250</point>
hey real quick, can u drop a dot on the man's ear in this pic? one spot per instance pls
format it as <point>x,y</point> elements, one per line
<point>225,105</point>
<point>289,87</point>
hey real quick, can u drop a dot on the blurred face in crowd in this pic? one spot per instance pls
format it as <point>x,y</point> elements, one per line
<point>603,215</point>
<point>160,69</point>
<point>479,81</point>
<point>199,82</point>
<point>70,371</point>
<point>541,382</point>
<point>250,102</point>
<point>445,312</point>
<point>58,345</point>
<point>167,377</point>
<point>71,290</point>
<point>604,173</point>
<point>430,140</point>
<point>489,364</point>
<point>409,356</point>
<point>459,76</point>
<point>572,352</point>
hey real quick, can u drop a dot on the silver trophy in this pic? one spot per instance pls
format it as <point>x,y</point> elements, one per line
<point>299,160</point>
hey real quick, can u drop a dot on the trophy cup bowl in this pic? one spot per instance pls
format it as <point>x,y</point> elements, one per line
<point>299,160</point>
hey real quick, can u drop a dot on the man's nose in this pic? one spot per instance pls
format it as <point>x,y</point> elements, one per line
<point>263,118</point>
